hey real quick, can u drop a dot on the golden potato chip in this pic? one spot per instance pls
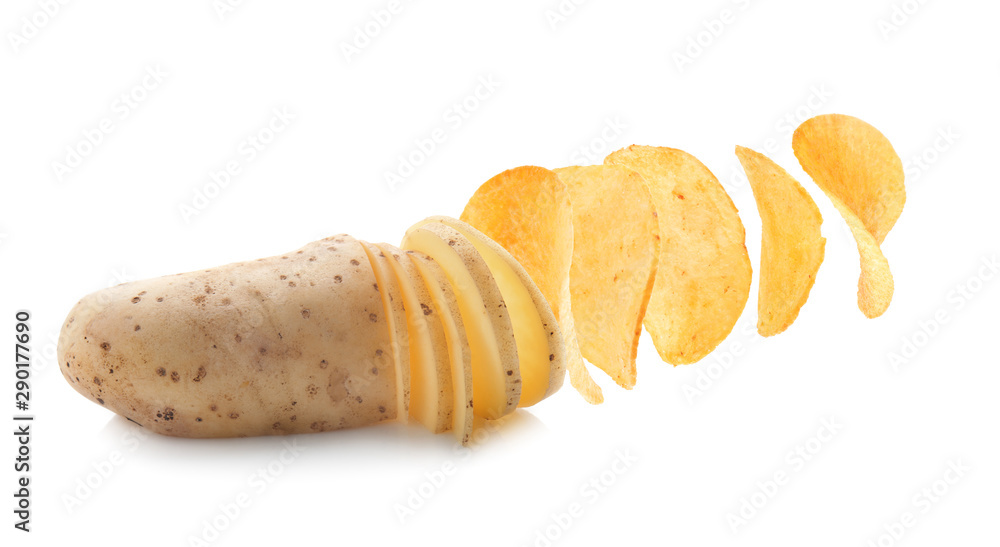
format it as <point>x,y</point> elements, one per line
<point>857,168</point>
<point>527,211</point>
<point>614,263</point>
<point>703,277</point>
<point>792,245</point>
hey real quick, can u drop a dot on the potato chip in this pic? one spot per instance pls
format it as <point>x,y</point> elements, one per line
<point>527,211</point>
<point>857,168</point>
<point>703,277</point>
<point>614,263</point>
<point>792,246</point>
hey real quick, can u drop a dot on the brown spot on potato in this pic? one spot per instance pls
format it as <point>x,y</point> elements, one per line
<point>336,387</point>
<point>168,414</point>
<point>337,279</point>
<point>263,351</point>
<point>282,277</point>
<point>238,338</point>
<point>312,390</point>
<point>323,364</point>
<point>159,299</point>
<point>374,371</point>
<point>381,409</point>
<point>331,248</point>
<point>201,374</point>
<point>373,318</point>
<point>312,259</point>
<point>175,376</point>
<point>200,299</point>
<point>197,419</point>
<point>291,283</point>
<point>138,328</point>
<point>226,301</point>
<point>99,400</point>
<point>378,353</point>
<point>305,314</point>
<point>234,415</point>
<point>105,346</point>
<point>160,371</point>
<point>510,373</point>
<point>358,399</point>
<point>97,380</point>
<point>136,300</point>
<point>293,417</point>
<point>552,357</point>
<point>426,308</point>
<point>213,408</point>
<point>354,262</point>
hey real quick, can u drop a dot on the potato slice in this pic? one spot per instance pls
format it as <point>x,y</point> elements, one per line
<point>703,276</point>
<point>448,312</point>
<point>496,380</point>
<point>540,348</point>
<point>857,168</point>
<point>614,263</point>
<point>792,245</point>
<point>430,370</point>
<point>527,211</point>
<point>395,316</point>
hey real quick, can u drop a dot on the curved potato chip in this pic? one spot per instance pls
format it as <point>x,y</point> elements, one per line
<point>857,168</point>
<point>527,211</point>
<point>614,263</point>
<point>703,277</point>
<point>792,246</point>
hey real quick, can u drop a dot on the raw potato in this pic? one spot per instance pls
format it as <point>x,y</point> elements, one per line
<point>289,344</point>
<point>858,169</point>
<point>460,354</point>
<point>541,352</point>
<point>431,396</point>
<point>792,245</point>
<point>527,211</point>
<point>395,315</point>
<point>614,263</point>
<point>496,380</point>
<point>703,276</point>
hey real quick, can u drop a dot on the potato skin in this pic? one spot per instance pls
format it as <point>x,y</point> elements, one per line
<point>294,343</point>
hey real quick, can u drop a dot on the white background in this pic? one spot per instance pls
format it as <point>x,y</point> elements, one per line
<point>568,92</point>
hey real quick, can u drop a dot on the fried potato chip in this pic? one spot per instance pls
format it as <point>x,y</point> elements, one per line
<point>527,211</point>
<point>857,168</point>
<point>703,277</point>
<point>792,246</point>
<point>614,263</point>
